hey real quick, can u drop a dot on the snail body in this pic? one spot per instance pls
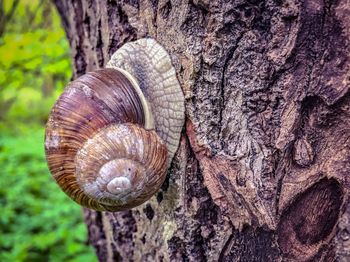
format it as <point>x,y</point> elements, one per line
<point>113,132</point>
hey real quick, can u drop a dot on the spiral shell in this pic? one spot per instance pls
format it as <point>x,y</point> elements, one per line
<point>96,122</point>
<point>110,138</point>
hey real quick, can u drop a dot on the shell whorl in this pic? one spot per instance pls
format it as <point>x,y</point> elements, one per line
<point>150,64</point>
<point>121,166</point>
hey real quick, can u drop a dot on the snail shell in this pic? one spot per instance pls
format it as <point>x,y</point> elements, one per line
<point>113,132</point>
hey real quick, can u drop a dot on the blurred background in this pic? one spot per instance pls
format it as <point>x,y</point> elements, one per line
<point>37,221</point>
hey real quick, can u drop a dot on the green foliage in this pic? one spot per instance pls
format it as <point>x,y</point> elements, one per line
<point>34,66</point>
<point>38,221</point>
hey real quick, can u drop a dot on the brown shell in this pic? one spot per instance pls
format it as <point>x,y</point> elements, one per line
<point>89,104</point>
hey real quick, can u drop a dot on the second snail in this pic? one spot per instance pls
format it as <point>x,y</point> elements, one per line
<point>113,132</point>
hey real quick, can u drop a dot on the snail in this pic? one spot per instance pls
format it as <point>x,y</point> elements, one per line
<point>113,132</point>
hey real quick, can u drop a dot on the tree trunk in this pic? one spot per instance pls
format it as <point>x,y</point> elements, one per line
<point>262,170</point>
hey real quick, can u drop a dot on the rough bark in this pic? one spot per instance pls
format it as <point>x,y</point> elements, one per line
<point>262,170</point>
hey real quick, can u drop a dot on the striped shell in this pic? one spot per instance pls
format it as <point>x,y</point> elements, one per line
<point>96,147</point>
<point>112,134</point>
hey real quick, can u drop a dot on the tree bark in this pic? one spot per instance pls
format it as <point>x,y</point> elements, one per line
<point>261,173</point>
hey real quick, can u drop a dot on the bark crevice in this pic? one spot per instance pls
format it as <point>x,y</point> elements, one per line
<point>267,122</point>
